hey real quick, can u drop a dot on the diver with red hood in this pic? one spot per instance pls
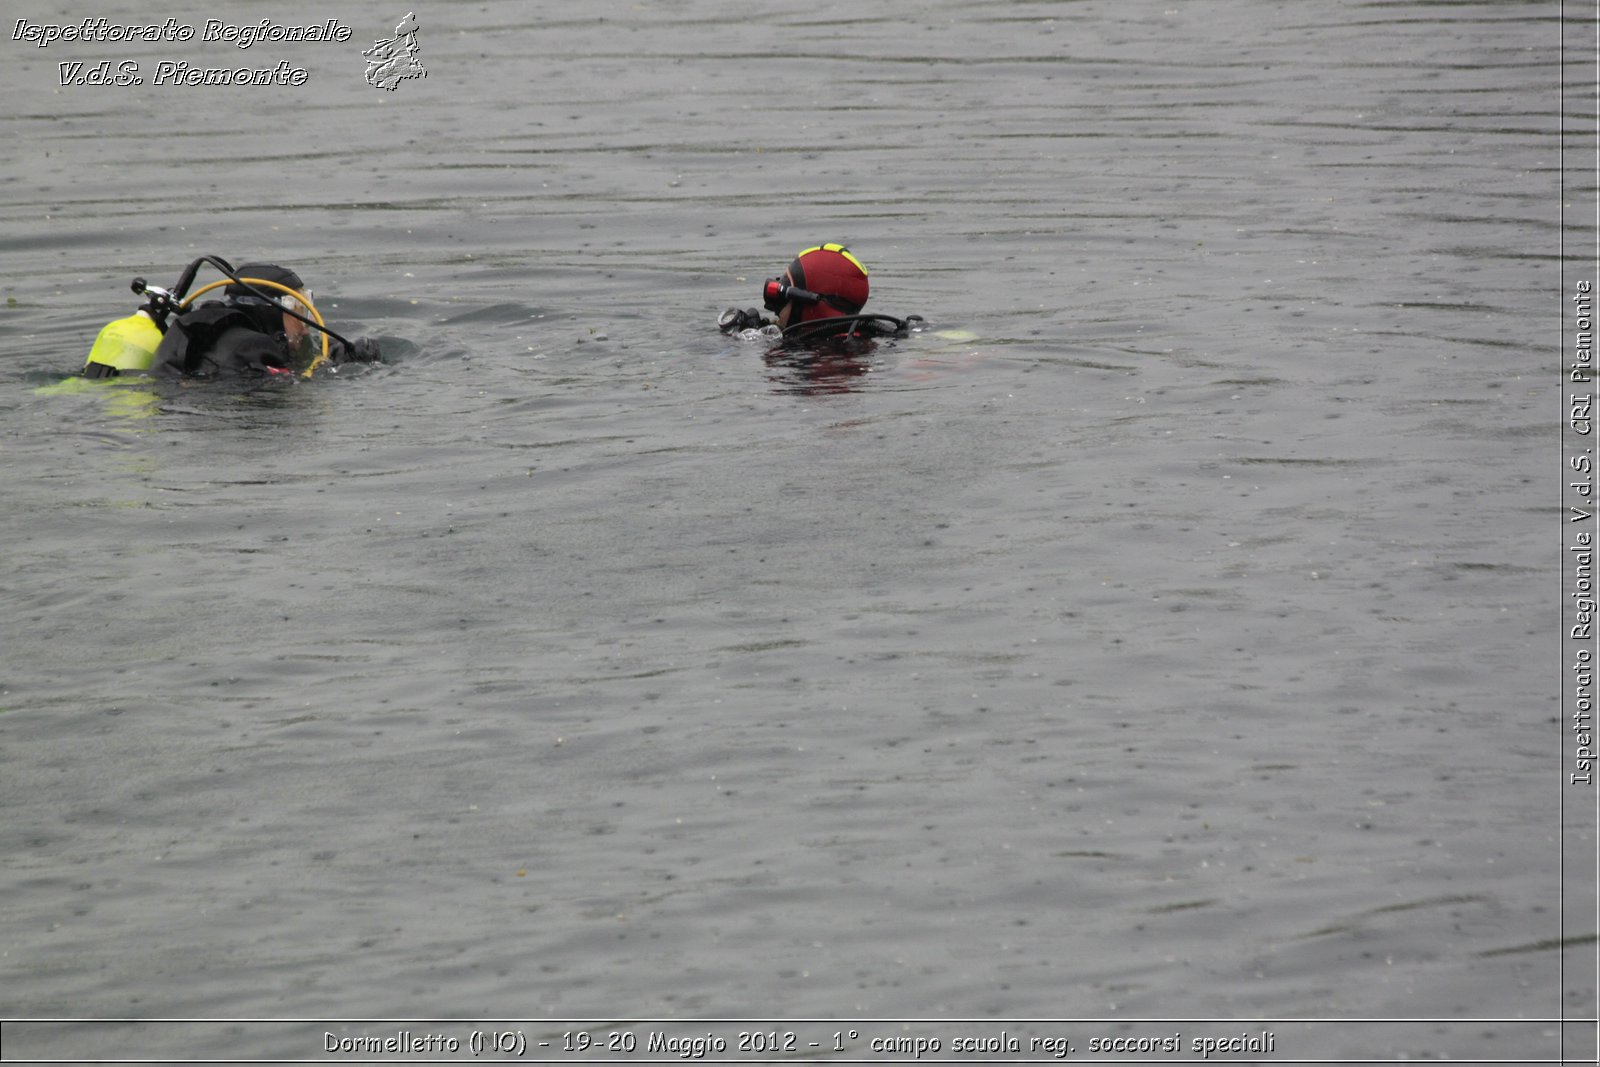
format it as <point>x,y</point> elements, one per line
<point>819,298</point>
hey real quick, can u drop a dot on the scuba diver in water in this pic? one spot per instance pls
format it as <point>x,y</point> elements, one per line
<point>822,336</point>
<point>265,324</point>
<point>819,298</point>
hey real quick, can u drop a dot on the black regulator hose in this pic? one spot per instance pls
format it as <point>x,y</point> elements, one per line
<point>822,326</point>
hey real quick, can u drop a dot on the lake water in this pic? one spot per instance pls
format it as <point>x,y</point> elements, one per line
<point>1165,638</point>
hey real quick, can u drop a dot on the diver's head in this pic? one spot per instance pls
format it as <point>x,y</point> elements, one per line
<point>833,283</point>
<point>270,315</point>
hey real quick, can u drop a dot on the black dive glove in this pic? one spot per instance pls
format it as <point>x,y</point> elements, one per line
<point>361,350</point>
<point>733,320</point>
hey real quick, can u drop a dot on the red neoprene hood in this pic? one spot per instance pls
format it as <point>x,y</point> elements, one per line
<point>832,272</point>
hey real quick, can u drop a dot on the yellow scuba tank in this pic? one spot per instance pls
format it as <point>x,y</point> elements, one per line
<point>127,344</point>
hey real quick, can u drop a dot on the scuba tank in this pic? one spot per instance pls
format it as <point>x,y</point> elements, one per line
<point>130,344</point>
<point>124,345</point>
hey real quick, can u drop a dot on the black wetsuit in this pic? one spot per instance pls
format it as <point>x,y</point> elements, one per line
<point>836,329</point>
<point>218,339</point>
<point>844,329</point>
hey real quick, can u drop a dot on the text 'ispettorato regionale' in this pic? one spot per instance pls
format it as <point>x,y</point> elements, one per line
<point>243,34</point>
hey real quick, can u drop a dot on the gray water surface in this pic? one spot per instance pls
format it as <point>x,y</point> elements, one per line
<point>1164,632</point>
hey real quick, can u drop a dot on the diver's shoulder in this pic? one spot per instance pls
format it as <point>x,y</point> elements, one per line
<point>843,327</point>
